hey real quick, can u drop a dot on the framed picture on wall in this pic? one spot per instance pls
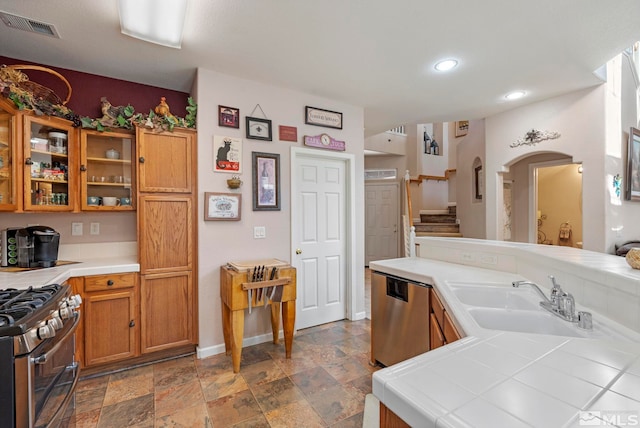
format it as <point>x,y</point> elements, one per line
<point>258,129</point>
<point>266,181</point>
<point>462,127</point>
<point>478,182</point>
<point>229,117</point>
<point>632,188</point>
<point>222,206</point>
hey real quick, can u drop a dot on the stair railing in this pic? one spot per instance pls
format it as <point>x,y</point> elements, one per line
<point>409,228</point>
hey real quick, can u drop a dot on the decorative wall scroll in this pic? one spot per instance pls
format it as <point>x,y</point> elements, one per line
<point>319,117</point>
<point>222,206</point>
<point>534,137</point>
<point>324,141</point>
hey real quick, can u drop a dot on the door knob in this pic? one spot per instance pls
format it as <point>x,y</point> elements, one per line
<point>298,251</point>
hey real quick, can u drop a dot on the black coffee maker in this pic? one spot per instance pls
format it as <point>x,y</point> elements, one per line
<point>37,246</point>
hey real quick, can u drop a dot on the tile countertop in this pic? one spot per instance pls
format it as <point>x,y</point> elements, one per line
<point>493,378</point>
<point>59,274</point>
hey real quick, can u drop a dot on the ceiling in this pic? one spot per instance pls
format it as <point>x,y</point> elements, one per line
<point>377,54</point>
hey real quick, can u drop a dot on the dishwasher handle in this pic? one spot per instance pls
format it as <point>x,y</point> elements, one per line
<point>398,289</point>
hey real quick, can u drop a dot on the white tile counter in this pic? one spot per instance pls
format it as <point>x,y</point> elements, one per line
<point>59,274</point>
<point>494,378</point>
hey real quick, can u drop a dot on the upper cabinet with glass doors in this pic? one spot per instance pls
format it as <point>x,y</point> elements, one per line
<point>8,195</point>
<point>50,161</point>
<point>107,175</point>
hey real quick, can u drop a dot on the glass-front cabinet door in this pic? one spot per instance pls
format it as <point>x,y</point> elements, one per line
<point>107,175</point>
<point>7,147</point>
<point>50,154</point>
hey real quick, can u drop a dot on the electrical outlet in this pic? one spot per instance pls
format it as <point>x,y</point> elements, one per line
<point>259,232</point>
<point>95,229</point>
<point>76,229</point>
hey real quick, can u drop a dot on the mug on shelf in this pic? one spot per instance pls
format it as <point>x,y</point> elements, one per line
<point>94,200</point>
<point>110,201</point>
<point>125,201</point>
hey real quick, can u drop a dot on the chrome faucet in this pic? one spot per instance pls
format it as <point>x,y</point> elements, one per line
<point>560,303</point>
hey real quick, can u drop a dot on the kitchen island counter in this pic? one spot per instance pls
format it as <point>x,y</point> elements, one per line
<point>499,378</point>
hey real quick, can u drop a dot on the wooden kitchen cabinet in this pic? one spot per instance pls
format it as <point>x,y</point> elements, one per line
<point>111,325</point>
<point>167,238</point>
<point>167,310</point>
<point>166,161</point>
<point>106,169</point>
<point>166,233</point>
<point>50,164</point>
<point>9,143</point>
<point>441,326</point>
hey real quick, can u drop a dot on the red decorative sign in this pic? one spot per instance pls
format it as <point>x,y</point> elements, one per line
<point>288,133</point>
<point>324,141</point>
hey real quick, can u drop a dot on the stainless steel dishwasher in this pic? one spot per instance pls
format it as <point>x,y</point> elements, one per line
<point>399,318</point>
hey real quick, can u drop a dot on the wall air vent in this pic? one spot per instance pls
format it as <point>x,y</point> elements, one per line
<point>26,24</point>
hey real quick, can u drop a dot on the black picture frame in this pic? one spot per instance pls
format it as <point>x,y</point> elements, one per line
<point>321,117</point>
<point>266,181</point>
<point>632,187</point>
<point>478,181</point>
<point>258,129</point>
<point>229,117</point>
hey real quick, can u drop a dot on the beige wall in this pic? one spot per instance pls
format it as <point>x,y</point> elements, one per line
<point>223,241</point>
<point>470,212</point>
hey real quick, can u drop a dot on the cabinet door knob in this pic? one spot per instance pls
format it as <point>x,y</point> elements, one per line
<point>132,323</point>
<point>141,159</point>
<point>298,251</point>
<point>110,282</point>
<point>83,168</point>
<point>28,161</point>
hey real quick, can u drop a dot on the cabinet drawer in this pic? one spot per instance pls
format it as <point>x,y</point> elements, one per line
<point>109,282</point>
<point>450,332</point>
<point>437,307</point>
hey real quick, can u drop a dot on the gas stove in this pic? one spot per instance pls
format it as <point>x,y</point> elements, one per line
<point>38,370</point>
<point>35,314</point>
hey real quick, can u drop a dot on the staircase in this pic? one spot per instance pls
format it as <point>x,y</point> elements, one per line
<point>439,224</point>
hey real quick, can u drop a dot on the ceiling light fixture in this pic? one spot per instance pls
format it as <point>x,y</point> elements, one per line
<point>515,95</point>
<point>155,21</point>
<point>446,65</point>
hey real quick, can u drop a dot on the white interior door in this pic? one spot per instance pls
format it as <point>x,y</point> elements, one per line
<point>319,237</point>
<point>382,214</point>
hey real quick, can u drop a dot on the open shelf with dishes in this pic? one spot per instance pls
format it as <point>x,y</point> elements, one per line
<point>107,171</point>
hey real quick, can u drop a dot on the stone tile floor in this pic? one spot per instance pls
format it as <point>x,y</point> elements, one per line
<point>323,385</point>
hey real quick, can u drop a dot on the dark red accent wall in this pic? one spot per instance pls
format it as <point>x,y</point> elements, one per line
<point>87,89</point>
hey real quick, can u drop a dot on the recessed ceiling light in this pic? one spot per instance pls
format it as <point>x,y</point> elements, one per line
<point>446,65</point>
<point>515,95</point>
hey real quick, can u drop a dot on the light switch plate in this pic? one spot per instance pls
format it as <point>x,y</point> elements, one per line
<point>76,229</point>
<point>95,229</point>
<point>259,232</point>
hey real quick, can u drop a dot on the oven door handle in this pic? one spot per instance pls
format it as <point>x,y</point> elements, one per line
<point>41,359</point>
